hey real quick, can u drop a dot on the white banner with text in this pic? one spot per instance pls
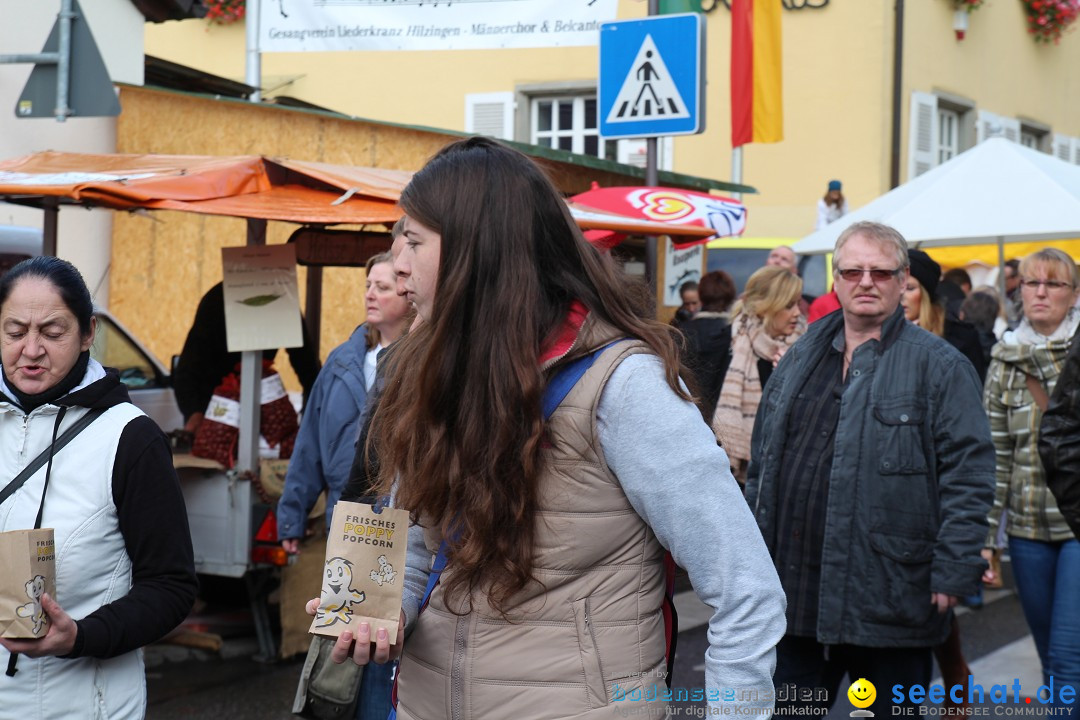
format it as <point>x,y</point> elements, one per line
<point>334,25</point>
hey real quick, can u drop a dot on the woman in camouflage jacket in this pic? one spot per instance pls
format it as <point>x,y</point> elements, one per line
<point>1024,370</point>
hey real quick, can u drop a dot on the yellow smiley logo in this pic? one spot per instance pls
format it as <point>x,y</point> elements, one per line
<point>862,693</point>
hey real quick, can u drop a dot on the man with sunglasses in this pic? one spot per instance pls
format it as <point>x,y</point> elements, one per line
<point>871,478</point>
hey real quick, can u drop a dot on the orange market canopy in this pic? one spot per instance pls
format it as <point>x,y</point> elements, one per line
<point>245,186</point>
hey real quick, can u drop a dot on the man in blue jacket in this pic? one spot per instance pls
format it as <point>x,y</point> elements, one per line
<point>871,479</point>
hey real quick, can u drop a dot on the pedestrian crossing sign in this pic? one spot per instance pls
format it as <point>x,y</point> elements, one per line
<point>652,76</point>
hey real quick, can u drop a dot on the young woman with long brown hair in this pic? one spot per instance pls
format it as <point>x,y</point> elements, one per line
<point>555,529</point>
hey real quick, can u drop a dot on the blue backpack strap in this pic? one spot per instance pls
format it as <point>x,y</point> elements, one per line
<point>566,378</point>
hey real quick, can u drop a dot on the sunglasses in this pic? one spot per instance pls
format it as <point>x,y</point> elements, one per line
<point>1050,284</point>
<point>877,275</point>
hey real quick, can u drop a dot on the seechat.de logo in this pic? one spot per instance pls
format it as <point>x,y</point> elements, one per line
<point>974,693</point>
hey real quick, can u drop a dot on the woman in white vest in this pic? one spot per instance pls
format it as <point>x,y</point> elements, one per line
<point>124,569</point>
<point>555,525</point>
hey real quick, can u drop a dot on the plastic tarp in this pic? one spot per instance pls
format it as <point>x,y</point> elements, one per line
<point>246,186</point>
<point>996,192</point>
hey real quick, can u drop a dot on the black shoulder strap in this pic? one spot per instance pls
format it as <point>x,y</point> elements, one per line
<point>35,464</point>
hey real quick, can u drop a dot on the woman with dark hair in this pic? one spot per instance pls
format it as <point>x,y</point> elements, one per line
<point>554,521</point>
<point>981,308</point>
<point>705,349</point>
<point>921,308</point>
<point>124,567</point>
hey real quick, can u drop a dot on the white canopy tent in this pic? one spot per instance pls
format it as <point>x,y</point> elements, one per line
<point>996,192</point>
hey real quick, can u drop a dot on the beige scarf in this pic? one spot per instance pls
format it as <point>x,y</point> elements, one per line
<point>733,421</point>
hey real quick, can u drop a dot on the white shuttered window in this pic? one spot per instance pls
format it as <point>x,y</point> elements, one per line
<point>490,114</point>
<point>948,137</point>
<point>1063,147</point>
<point>922,134</point>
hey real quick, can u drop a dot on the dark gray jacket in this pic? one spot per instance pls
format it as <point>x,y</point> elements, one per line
<point>912,482</point>
<point>1059,439</point>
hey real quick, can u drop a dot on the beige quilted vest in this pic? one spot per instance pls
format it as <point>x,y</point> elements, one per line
<point>597,631</point>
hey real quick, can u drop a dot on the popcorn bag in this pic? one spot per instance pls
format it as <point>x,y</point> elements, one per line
<point>27,571</point>
<point>364,570</point>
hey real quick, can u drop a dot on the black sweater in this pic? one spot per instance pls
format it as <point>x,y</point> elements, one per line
<point>153,522</point>
<point>709,356</point>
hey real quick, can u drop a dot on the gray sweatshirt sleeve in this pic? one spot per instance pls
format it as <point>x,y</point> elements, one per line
<point>417,568</point>
<point>679,481</point>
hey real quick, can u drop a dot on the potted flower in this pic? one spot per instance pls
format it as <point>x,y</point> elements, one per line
<point>224,12</point>
<point>960,17</point>
<point>1048,19</point>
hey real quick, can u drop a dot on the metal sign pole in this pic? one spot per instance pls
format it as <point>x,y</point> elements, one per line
<point>61,58</point>
<point>253,66</point>
<point>63,70</point>
<point>652,179</point>
<point>247,447</point>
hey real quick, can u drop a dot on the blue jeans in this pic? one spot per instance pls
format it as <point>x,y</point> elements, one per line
<point>375,690</point>
<point>1048,581</point>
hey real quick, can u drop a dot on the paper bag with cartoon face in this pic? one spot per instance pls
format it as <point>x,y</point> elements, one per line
<point>27,571</point>
<point>364,570</point>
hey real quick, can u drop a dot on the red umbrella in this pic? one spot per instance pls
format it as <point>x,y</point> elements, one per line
<point>724,216</point>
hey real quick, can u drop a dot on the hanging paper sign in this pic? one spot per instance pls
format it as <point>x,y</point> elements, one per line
<point>262,297</point>
<point>680,266</point>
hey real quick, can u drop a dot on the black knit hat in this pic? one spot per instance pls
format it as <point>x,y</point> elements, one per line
<point>925,270</point>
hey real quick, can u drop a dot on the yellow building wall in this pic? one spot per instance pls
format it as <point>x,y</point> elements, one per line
<point>837,89</point>
<point>998,65</point>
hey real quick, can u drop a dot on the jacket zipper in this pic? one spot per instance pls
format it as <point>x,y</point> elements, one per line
<point>596,649</point>
<point>457,681</point>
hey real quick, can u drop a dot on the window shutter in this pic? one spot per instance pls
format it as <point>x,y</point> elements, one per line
<point>922,134</point>
<point>1011,127</point>
<point>1063,147</point>
<point>988,126</point>
<point>490,114</point>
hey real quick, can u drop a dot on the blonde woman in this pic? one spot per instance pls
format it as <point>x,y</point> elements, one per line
<point>766,322</point>
<point>1023,373</point>
<point>921,308</point>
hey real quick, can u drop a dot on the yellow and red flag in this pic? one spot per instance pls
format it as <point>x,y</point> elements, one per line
<point>757,106</point>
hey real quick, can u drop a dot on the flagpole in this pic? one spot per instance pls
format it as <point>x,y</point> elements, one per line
<point>736,169</point>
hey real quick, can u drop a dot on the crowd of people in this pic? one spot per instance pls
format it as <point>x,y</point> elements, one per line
<point>862,444</point>
<point>833,486</point>
<point>990,473</point>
